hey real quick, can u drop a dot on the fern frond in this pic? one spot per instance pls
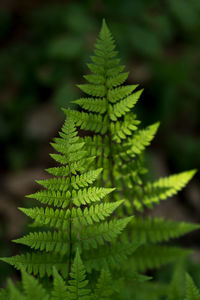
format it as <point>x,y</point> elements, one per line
<point>116,80</point>
<point>92,236</point>
<point>122,107</point>
<point>92,105</point>
<point>165,187</point>
<point>141,140</point>
<point>53,184</point>
<point>192,293</point>
<point>38,263</point>
<point>176,290</point>
<point>89,195</point>
<point>154,256</point>
<point>85,179</point>
<point>89,121</point>
<point>57,198</point>
<point>122,130</point>
<point>96,79</point>
<point>96,213</point>
<point>93,89</point>
<point>14,293</point>
<point>109,256</point>
<point>78,283</point>
<point>118,93</point>
<point>97,144</point>
<point>96,69</point>
<point>57,218</point>
<point>57,241</point>
<point>104,288</point>
<point>32,288</point>
<point>59,291</point>
<point>156,230</point>
<point>74,215</point>
<point>114,71</point>
<point>67,147</point>
<point>78,166</point>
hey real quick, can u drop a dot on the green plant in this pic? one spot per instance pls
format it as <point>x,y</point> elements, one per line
<point>75,217</point>
<point>182,285</point>
<point>31,288</point>
<point>119,145</point>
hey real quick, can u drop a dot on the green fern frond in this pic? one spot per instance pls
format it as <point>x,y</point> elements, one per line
<point>116,80</point>
<point>92,236</point>
<point>96,213</point>
<point>59,171</point>
<point>14,293</point>
<point>93,89</point>
<point>78,214</point>
<point>122,130</point>
<point>118,93</point>
<point>104,288</point>
<point>141,140</point>
<point>60,184</point>
<point>156,230</point>
<point>176,290</point>
<point>48,216</point>
<point>38,263</point>
<point>124,106</point>
<point>89,195</point>
<point>96,79</point>
<point>74,213</point>
<point>165,187</point>
<point>59,291</point>
<point>109,256</point>
<point>82,196</point>
<point>92,105</point>
<point>89,121</point>
<point>48,241</point>
<point>85,179</point>
<point>192,293</point>
<point>60,218</point>
<point>32,288</point>
<point>57,198</point>
<point>153,256</point>
<point>96,144</point>
<point>78,283</point>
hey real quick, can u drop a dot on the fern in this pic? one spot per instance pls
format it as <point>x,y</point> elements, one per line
<point>60,291</point>
<point>192,293</point>
<point>74,288</point>
<point>33,289</point>
<point>119,143</point>
<point>180,279</point>
<point>104,288</point>
<point>154,256</point>
<point>78,281</point>
<point>95,177</point>
<point>176,291</point>
<point>74,214</point>
<point>124,141</point>
<point>156,230</point>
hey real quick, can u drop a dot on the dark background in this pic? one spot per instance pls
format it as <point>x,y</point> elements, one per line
<point>44,48</point>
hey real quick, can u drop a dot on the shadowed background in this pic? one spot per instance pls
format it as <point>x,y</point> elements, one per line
<point>44,48</point>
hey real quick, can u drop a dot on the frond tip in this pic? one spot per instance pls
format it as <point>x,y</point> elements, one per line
<point>78,283</point>
<point>192,293</point>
